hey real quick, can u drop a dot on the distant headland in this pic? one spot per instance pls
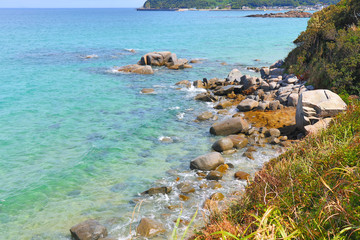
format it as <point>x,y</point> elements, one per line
<point>229,5</point>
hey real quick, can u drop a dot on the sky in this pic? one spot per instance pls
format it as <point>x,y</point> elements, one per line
<point>71,3</point>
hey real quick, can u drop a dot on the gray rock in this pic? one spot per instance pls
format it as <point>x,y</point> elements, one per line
<point>317,104</point>
<point>234,76</point>
<point>277,71</point>
<point>223,144</point>
<point>247,105</point>
<point>88,230</point>
<point>229,126</point>
<point>274,105</point>
<point>206,97</point>
<point>265,72</point>
<point>273,85</point>
<point>265,86</point>
<point>263,105</point>
<point>224,90</point>
<point>207,162</point>
<point>277,64</point>
<point>293,99</point>
<point>318,126</point>
<point>283,97</point>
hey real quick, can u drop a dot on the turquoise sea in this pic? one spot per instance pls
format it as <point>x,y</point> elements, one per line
<point>78,141</point>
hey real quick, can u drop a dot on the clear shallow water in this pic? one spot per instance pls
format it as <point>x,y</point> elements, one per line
<point>78,142</point>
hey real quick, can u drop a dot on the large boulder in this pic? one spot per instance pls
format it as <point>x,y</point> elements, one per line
<point>149,228</point>
<point>155,58</point>
<point>229,126</point>
<point>247,105</point>
<point>136,69</point>
<point>223,144</point>
<point>234,76</point>
<point>315,105</point>
<point>88,230</point>
<point>207,162</point>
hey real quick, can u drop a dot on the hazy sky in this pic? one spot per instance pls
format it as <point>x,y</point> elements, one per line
<point>70,3</point>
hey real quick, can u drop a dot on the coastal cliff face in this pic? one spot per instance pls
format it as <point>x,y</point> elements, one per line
<point>234,4</point>
<point>327,53</point>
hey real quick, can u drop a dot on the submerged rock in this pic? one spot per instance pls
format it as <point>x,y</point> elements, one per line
<point>88,230</point>
<point>149,228</point>
<point>205,116</point>
<point>158,190</point>
<point>147,90</point>
<point>136,69</point>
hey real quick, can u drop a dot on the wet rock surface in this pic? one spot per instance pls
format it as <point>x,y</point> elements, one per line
<point>88,230</point>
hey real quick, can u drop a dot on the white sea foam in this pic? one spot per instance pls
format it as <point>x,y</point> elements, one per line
<point>180,116</point>
<point>174,108</point>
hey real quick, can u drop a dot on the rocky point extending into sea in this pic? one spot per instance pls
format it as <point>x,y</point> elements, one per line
<point>276,110</point>
<point>289,14</point>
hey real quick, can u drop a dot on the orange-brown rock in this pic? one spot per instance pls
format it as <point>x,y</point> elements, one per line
<point>149,228</point>
<point>214,185</point>
<point>272,119</point>
<point>217,197</point>
<point>222,168</point>
<point>241,175</point>
<point>183,197</point>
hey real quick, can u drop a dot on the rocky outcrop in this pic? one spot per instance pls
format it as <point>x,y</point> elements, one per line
<point>136,69</point>
<point>167,59</point>
<point>315,105</point>
<point>289,14</point>
<point>88,230</point>
<point>207,162</point>
<point>229,126</point>
<point>149,228</point>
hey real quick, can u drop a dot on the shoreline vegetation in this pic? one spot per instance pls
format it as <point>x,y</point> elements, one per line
<point>312,191</point>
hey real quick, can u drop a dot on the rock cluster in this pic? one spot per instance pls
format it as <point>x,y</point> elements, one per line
<point>289,14</point>
<point>167,59</point>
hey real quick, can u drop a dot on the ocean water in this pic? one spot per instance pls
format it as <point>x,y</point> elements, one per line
<point>78,141</point>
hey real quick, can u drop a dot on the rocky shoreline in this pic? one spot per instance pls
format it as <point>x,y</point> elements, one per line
<point>273,111</point>
<point>289,14</point>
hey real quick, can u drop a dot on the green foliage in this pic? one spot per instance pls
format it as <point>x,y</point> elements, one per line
<point>235,4</point>
<point>328,52</point>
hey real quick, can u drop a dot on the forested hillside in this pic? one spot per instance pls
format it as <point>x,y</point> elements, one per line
<point>328,52</point>
<point>203,4</point>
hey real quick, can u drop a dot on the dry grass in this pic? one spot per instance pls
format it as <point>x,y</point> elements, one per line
<point>310,192</point>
